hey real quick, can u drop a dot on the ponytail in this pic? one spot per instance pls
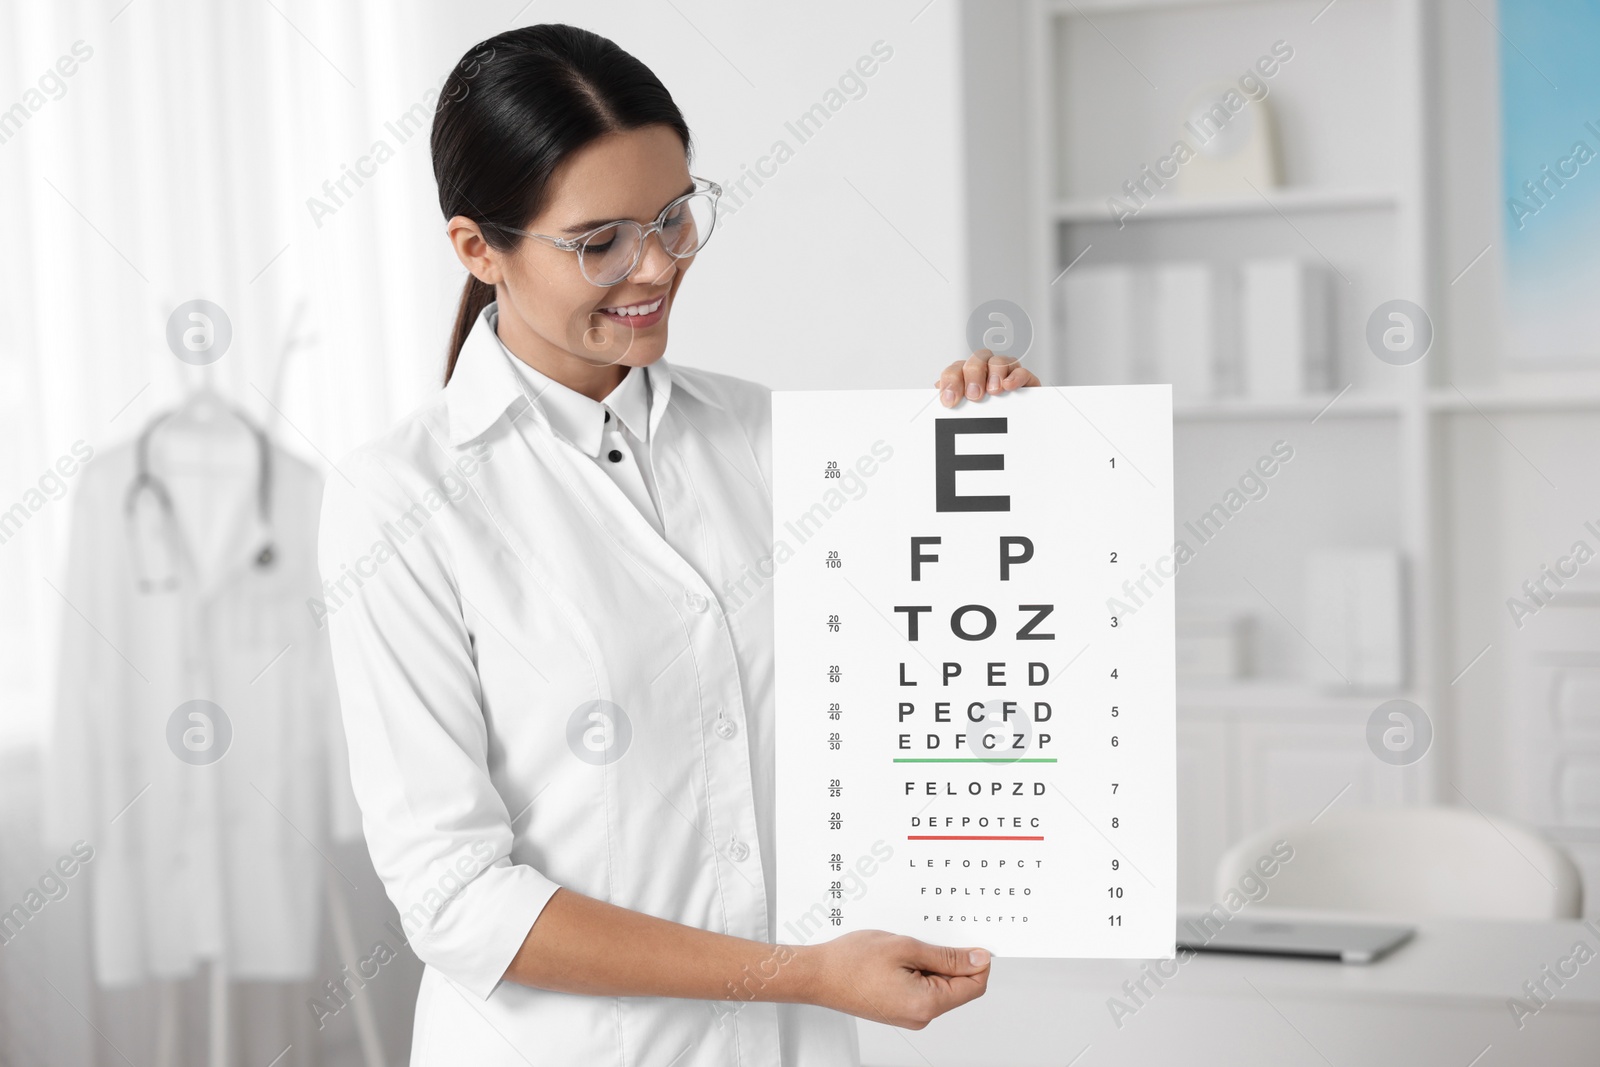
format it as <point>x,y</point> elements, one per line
<point>475,296</point>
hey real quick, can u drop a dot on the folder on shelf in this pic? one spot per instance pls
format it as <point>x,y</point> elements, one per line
<point>1286,327</point>
<point>1355,618</point>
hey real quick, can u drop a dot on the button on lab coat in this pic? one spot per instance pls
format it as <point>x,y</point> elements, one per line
<point>539,690</point>
<point>618,445</point>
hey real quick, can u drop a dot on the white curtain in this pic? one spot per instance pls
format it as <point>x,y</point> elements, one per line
<point>272,158</point>
<point>176,162</point>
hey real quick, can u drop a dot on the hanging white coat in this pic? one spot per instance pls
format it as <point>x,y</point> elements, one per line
<point>216,850</point>
<point>539,690</point>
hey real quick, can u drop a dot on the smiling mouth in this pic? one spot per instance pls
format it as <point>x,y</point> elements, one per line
<point>644,313</point>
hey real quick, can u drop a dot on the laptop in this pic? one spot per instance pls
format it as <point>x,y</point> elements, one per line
<point>1348,942</point>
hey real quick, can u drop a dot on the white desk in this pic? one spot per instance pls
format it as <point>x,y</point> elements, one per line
<point>1441,999</point>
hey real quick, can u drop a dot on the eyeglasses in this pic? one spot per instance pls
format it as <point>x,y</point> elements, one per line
<point>607,254</point>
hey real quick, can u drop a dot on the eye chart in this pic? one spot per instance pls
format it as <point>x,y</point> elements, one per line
<point>975,713</point>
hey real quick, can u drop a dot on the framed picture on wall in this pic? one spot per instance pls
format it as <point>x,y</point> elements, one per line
<point>1550,177</point>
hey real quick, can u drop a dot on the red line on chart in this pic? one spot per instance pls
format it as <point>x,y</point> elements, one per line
<point>970,837</point>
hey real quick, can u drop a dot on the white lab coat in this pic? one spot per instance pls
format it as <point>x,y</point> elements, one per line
<point>486,583</point>
<point>223,860</point>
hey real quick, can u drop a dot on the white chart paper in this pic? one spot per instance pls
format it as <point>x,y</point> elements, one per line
<point>975,694</point>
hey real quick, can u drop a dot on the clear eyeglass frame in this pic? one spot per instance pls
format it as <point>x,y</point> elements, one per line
<point>576,244</point>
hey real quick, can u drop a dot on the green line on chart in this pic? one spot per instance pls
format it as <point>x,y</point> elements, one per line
<point>970,759</point>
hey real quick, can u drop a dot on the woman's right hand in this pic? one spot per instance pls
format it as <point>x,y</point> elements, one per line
<point>889,978</point>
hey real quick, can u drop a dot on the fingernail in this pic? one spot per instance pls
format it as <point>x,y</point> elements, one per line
<point>974,390</point>
<point>994,383</point>
<point>949,394</point>
<point>978,957</point>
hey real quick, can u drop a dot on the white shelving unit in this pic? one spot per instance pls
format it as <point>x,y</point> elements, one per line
<point>1105,84</point>
<point>1350,405</point>
<point>1286,200</point>
<point>1475,463</point>
<point>1516,400</point>
<point>1478,469</point>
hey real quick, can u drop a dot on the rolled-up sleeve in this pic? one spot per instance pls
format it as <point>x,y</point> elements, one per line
<point>438,831</point>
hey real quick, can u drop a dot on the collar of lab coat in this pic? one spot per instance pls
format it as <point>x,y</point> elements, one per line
<point>485,384</point>
<point>583,420</point>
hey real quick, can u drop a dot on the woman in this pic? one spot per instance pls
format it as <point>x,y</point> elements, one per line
<point>560,739</point>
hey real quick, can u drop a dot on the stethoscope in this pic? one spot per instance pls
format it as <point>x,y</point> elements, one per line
<point>145,482</point>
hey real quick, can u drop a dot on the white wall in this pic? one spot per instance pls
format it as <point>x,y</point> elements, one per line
<point>998,123</point>
<point>808,286</point>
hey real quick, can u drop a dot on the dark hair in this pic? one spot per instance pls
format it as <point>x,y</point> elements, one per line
<point>511,111</point>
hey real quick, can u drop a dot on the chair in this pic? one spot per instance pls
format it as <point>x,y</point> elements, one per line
<point>1415,861</point>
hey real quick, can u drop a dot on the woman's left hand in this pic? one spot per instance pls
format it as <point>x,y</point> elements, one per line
<point>980,374</point>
